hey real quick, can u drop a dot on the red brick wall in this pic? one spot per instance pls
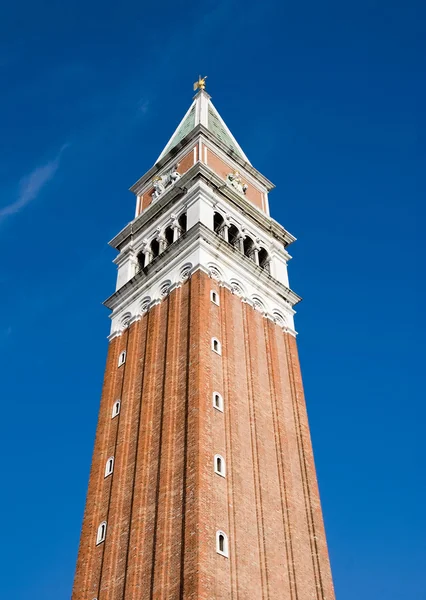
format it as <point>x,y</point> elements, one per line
<point>185,163</point>
<point>222,169</point>
<point>163,502</point>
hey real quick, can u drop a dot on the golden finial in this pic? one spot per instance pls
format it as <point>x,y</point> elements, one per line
<point>201,83</point>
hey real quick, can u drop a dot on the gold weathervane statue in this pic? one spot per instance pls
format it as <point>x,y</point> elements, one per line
<point>201,83</point>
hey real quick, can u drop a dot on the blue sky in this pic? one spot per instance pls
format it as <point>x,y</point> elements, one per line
<point>328,101</point>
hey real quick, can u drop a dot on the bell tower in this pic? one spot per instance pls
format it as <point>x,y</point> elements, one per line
<point>203,482</point>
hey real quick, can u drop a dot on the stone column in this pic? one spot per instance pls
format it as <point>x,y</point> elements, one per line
<point>240,242</point>
<point>146,249</point>
<point>224,229</point>
<point>176,228</point>
<point>163,243</point>
<point>256,248</point>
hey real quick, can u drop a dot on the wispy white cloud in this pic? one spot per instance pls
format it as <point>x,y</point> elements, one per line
<point>31,185</point>
<point>143,106</point>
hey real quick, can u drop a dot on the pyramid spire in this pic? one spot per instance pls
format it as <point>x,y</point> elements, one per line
<point>202,112</point>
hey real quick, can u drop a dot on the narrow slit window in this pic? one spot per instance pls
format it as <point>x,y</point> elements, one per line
<point>216,346</point>
<point>222,543</point>
<point>122,358</point>
<point>100,537</point>
<point>116,408</point>
<point>219,465</point>
<point>218,401</point>
<point>214,297</point>
<point>109,467</point>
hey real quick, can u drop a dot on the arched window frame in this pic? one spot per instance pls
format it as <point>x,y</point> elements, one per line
<point>222,549</point>
<point>101,533</point>
<point>216,346</point>
<point>264,259</point>
<point>183,222</point>
<point>109,467</point>
<point>122,358</point>
<point>116,409</point>
<point>217,401</point>
<point>219,465</point>
<point>141,258</point>
<point>218,221</point>
<point>168,236</point>
<point>214,297</point>
<point>155,248</point>
<point>234,236</point>
<point>248,246</point>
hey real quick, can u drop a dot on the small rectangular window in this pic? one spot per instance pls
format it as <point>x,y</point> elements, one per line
<point>222,543</point>
<point>122,358</point>
<point>218,401</point>
<point>214,297</point>
<point>216,346</point>
<point>116,409</point>
<point>100,537</point>
<point>109,467</point>
<point>219,465</point>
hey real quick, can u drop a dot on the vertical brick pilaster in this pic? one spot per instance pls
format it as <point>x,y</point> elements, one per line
<point>90,560</point>
<point>320,558</point>
<point>190,587</point>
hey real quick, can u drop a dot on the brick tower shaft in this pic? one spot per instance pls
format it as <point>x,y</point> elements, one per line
<point>203,482</point>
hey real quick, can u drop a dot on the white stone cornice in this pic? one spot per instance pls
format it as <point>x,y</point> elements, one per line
<point>114,333</point>
<point>200,231</point>
<point>202,249</point>
<point>184,186</point>
<point>126,254</point>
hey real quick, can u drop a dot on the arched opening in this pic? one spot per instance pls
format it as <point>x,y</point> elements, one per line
<point>182,222</point>
<point>248,247</point>
<point>216,347</point>
<point>218,401</point>
<point>168,234</point>
<point>155,248</point>
<point>122,358</point>
<point>214,297</point>
<point>217,222</point>
<point>233,236</point>
<point>219,465</point>
<point>109,467</point>
<point>116,408</point>
<point>221,543</point>
<point>141,260</point>
<point>100,536</point>
<point>264,259</point>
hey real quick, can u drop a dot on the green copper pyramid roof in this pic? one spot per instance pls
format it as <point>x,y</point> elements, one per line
<point>203,112</point>
<point>184,128</point>
<point>221,131</point>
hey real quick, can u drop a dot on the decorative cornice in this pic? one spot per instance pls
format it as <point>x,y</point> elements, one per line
<point>183,186</point>
<point>274,318</point>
